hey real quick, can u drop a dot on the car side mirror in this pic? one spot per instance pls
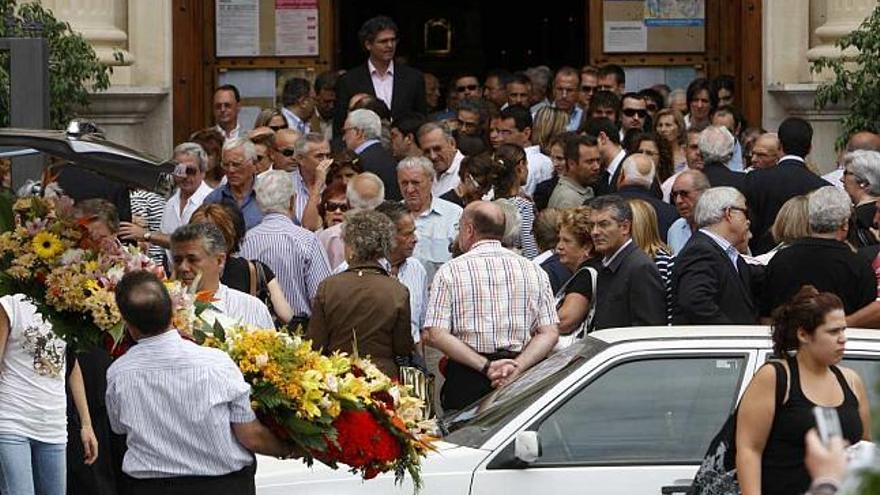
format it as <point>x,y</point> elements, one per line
<point>527,446</point>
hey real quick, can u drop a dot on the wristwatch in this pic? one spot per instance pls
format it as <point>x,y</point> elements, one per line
<point>486,367</point>
<point>824,486</point>
<point>148,235</point>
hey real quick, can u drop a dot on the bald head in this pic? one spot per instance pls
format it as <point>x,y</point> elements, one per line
<point>766,151</point>
<point>365,191</point>
<point>863,140</point>
<point>638,170</point>
<point>487,220</point>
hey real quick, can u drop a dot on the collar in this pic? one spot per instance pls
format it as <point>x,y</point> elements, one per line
<point>169,335</point>
<point>454,166</point>
<point>819,241</point>
<point>723,243</point>
<point>485,244</point>
<point>615,163</point>
<point>366,144</point>
<point>225,189</point>
<point>374,71</point>
<point>234,132</point>
<point>203,190</point>
<point>373,266</point>
<point>636,190</point>
<point>792,157</point>
<point>289,113</point>
<point>616,259</point>
<point>573,184</point>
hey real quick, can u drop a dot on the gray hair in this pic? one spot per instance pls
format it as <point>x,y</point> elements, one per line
<point>367,121</point>
<point>636,173</point>
<point>512,222</point>
<point>431,127</point>
<point>829,209</point>
<point>369,234</point>
<point>250,152</point>
<point>716,145</point>
<point>540,75</point>
<point>208,234</point>
<point>300,147</point>
<point>273,191</point>
<point>194,150</point>
<point>865,165</point>
<point>620,209</point>
<point>698,179</point>
<point>417,162</point>
<point>356,201</point>
<point>714,202</point>
<point>394,210</point>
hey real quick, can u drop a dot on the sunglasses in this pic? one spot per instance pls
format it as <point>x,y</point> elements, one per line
<point>288,152</point>
<point>589,89</point>
<point>184,171</point>
<point>632,112</point>
<point>469,87</point>
<point>332,206</point>
<point>277,128</point>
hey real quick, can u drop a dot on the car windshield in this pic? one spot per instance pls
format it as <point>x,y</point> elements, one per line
<point>474,425</point>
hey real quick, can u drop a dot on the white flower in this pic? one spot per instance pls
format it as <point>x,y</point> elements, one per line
<point>115,274</point>
<point>261,360</point>
<point>332,383</point>
<point>72,256</point>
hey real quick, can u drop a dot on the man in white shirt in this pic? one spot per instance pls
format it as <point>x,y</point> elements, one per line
<point>514,126</point>
<point>226,105</point>
<point>199,252</point>
<point>298,99</point>
<point>189,175</point>
<point>439,146</point>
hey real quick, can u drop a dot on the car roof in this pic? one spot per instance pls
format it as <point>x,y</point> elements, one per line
<point>629,334</point>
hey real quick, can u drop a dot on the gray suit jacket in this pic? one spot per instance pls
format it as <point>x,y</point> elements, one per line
<point>630,292</point>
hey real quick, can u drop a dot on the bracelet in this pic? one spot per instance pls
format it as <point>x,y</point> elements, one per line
<point>824,486</point>
<point>486,367</point>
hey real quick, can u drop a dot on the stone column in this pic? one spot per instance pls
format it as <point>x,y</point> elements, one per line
<point>842,18</point>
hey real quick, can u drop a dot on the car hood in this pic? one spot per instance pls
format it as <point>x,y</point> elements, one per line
<point>446,470</point>
<point>93,153</point>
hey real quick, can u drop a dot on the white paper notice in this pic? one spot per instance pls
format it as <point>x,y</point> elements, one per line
<point>296,27</point>
<point>238,32</point>
<point>625,36</point>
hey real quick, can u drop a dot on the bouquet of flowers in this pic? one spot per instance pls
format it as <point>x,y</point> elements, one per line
<point>337,408</point>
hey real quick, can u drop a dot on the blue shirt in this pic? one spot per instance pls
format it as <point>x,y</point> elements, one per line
<point>436,228</point>
<point>249,209</point>
<point>678,235</point>
<point>725,245</point>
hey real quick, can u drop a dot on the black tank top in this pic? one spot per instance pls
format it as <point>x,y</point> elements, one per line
<point>782,466</point>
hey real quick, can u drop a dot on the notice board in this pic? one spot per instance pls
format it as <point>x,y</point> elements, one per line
<point>267,28</point>
<point>654,26</point>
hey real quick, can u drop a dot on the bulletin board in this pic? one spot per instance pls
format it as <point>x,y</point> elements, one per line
<point>653,26</point>
<point>267,28</point>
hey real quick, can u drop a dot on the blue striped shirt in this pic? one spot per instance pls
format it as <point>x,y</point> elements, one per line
<point>176,402</point>
<point>301,197</point>
<point>294,255</point>
<point>249,209</point>
<point>527,242</point>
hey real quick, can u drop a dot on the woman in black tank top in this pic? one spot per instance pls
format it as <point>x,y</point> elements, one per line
<point>776,412</point>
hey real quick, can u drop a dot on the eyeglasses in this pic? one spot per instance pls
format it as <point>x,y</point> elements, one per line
<point>631,112</point>
<point>744,211</point>
<point>333,206</point>
<point>589,89</point>
<point>288,152</point>
<point>277,128</point>
<point>681,192</point>
<point>233,165</point>
<point>184,171</point>
<point>469,87</point>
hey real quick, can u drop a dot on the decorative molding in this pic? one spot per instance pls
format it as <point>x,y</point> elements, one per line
<point>800,99</point>
<point>124,105</point>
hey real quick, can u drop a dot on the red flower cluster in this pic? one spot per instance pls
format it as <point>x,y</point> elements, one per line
<point>362,443</point>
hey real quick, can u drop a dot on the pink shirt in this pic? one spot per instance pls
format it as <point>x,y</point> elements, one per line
<point>383,84</point>
<point>331,239</point>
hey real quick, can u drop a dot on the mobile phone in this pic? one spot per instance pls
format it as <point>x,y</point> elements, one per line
<point>827,423</point>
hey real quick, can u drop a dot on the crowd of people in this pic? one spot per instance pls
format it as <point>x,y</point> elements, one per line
<point>488,225</point>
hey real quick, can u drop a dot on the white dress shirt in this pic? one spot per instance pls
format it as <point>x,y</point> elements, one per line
<point>242,307</point>
<point>383,84</point>
<point>540,168</point>
<point>436,228</point>
<point>229,136</point>
<point>449,179</point>
<point>294,122</point>
<point>615,163</point>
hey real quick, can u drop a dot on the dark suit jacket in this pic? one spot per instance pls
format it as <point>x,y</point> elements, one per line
<point>366,299</point>
<point>408,94</point>
<point>379,161</point>
<point>543,191</point>
<point>666,213</point>
<point>766,190</point>
<point>630,292</point>
<point>826,264</point>
<point>707,289</point>
<point>721,176</point>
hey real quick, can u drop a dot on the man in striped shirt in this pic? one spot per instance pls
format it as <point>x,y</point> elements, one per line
<point>491,311</point>
<point>292,252</point>
<point>185,409</point>
<point>312,152</point>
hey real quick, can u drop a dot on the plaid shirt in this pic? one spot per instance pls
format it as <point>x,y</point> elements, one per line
<point>491,299</point>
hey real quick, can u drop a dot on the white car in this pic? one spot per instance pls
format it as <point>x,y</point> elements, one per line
<point>623,412</point>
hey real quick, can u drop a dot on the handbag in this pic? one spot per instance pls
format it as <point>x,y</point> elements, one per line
<point>717,472</point>
<point>587,325</point>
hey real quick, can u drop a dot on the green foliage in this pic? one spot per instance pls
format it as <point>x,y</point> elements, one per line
<point>73,66</point>
<point>855,79</point>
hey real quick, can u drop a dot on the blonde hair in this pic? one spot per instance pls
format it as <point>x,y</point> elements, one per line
<point>578,222</point>
<point>793,220</point>
<point>645,233</point>
<point>679,122</point>
<point>549,122</point>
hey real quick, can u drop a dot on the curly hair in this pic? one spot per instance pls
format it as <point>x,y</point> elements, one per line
<point>369,234</point>
<point>577,222</point>
<point>806,311</point>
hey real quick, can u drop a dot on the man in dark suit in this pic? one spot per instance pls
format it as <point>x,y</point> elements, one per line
<point>629,289</point>
<point>361,134</point>
<point>635,183</point>
<point>768,189</point>
<point>402,88</point>
<point>607,134</point>
<point>716,147</point>
<point>711,283</point>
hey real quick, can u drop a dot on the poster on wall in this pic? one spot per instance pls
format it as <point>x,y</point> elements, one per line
<point>296,27</point>
<point>654,26</point>
<point>238,32</point>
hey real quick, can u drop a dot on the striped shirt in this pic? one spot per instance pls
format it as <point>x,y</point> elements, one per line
<point>293,253</point>
<point>527,242</point>
<point>242,307</point>
<point>149,206</point>
<point>302,196</point>
<point>491,298</point>
<point>175,401</point>
<point>413,276</point>
<point>665,262</point>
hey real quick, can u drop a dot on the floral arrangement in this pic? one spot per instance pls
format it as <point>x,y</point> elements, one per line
<point>71,278</point>
<point>339,409</point>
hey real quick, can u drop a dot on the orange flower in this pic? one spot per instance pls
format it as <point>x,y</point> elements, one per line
<point>205,296</point>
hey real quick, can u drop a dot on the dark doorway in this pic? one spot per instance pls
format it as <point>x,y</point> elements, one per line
<point>485,35</point>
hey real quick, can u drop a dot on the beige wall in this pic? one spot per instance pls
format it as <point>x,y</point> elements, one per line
<point>136,110</point>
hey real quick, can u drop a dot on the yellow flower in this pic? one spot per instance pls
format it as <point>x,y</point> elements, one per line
<point>47,245</point>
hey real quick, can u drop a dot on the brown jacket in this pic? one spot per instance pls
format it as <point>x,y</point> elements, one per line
<point>363,298</point>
